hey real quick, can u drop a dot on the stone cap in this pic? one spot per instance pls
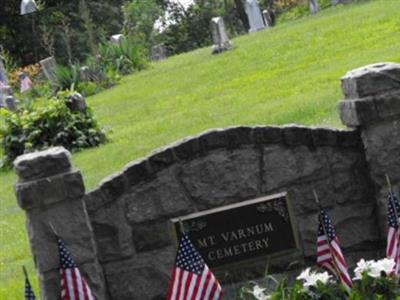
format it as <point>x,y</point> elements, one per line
<point>42,164</point>
<point>371,80</point>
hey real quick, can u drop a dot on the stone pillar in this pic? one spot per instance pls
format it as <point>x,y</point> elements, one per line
<point>51,191</point>
<point>372,104</point>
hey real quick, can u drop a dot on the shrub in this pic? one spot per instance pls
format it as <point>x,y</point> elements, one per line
<point>125,57</point>
<point>47,125</point>
<point>374,280</point>
<point>67,77</point>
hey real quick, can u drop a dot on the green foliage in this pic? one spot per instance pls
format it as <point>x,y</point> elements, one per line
<point>290,74</point>
<point>139,19</point>
<point>44,126</point>
<point>380,288</point>
<point>67,76</point>
<point>125,57</point>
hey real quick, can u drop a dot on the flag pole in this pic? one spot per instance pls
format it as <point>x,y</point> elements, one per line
<point>181,227</point>
<point>392,197</point>
<point>25,272</point>
<point>321,221</point>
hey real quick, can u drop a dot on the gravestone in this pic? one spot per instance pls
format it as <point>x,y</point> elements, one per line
<point>117,38</point>
<point>158,52</point>
<point>76,102</point>
<point>5,89</point>
<point>219,35</point>
<point>10,103</point>
<point>314,6</point>
<point>28,7</point>
<point>3,73</point>
<point>265,229</point>
<point>49,67</point>
<point>269,17</point>
<point>254,15</point>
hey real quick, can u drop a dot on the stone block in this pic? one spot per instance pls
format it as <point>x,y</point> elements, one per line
<point>355,227</point>
<point>144,277</point>
<point>136,172</point>
<point>354,113</point>
<point>324,137</point>
<point>41,164</point>
<point>222,177</point>
<point>371,80</point>
<point>112,233</point>
<point>285,165</point>
<point>238,136</point>
<point>294,135</point>
<point>214,139</point>
<point>161,197</point>
<point>70,222</point>
<point>162,159</point>
<point>47,191</point>
<point>268,135</point>
<point>113,187</point>
<point>50,285</point>
<point>188,148</point>
<point>152,235</point>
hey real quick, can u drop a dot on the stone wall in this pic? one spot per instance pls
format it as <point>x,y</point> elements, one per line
<point>129,212</point>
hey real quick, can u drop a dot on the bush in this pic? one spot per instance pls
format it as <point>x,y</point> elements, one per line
<point>125,57</point>
<point>374,280</point>
<point>67,77</point>
<point>51,124</point>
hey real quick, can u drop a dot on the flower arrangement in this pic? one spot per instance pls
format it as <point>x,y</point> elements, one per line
<point>373,280</point>
<point>31,70</point>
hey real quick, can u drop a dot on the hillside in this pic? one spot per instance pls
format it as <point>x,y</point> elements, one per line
<point>288,74</point>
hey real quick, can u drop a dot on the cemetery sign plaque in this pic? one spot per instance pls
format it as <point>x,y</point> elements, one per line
<point>240,232</point>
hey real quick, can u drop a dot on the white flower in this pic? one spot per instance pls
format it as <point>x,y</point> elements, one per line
<point>385,265</point>
<point>311,278</point>
<point>258,293</point>
<point>374,268</point>
<point>362,266</point>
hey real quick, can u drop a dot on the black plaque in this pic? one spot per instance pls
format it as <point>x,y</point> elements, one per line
<point>240,232</point>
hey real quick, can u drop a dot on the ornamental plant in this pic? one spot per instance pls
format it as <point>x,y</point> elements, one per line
<point>374,280</point>
<point>37,127</point>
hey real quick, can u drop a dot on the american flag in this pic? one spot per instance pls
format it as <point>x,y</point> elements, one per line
<point>73,285</point>
<point>29,295</point>
<point>393,239</point>
<point>329,254</point>
<point>191,278</point>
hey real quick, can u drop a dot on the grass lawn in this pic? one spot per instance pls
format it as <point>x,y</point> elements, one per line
<point>289,74</point>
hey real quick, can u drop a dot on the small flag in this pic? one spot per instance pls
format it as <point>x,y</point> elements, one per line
<point>29,295</point>
<point>329,254</point>
<point>393,239</point>
<point>191,278</point>
<point>73,285</point>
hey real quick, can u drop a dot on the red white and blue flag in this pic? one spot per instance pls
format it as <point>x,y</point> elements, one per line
<point>29,295</point>
<point>393,239</point>
<point>191,278</point>
<point>73,285</point>
<point>329,254</point>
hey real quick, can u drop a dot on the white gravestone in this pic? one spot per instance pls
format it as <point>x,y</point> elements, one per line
<point>49,67</point>
<point>117,38</point>
<point>5,89</point>
<point>314,6</point>
<point>28,7</point>
<point>219,35</point>
<point>254,15</point>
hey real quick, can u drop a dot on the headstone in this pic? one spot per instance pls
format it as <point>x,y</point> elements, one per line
<point>314,6</point>
<point>26,82</point>
<point>76,102</point>
<point>254,15</point>
<point>219,35</point>
<point>5,89</point>
<point>3,73</point>
<point>11,103</point>
<point>269,17</point>
<point>265,229</point>
<point>117,38</point>
<point>84,73</point>
<point>158,52</point>
<point>49,67</point>
<point>28,7</point>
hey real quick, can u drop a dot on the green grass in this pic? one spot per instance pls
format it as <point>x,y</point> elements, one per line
<point>289,74</point>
